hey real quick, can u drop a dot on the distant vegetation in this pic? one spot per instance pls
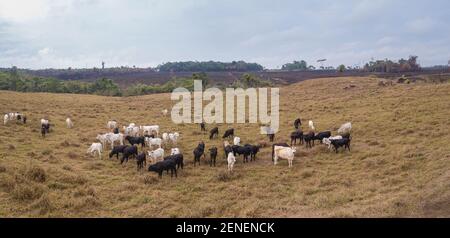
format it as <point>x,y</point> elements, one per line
<point>208,66</point>
<point>388,66</point>
<point>16,81</point>
<point>296,65</point>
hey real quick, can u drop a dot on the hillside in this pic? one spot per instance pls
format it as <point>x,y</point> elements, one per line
<point>398,167</point>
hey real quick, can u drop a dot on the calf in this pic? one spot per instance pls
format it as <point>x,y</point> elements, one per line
<point>178,159</point>
<point>156,155</point>
<point>116,150</point>
<point>228,133</point>
<point>128,152</point>
<point>231,159</point>
<point>164,165</point>
<point>141,161</point>
<point>198,152</point>
<point>212,155</point>
<point>95,147</point>
<point>213,133</point>
<point>344,142</point>
<point>296,135</point>
<point>136,140</point>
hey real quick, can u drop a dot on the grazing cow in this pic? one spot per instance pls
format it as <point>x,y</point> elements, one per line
<point>128,152</point>
<point>296,135</point>
<point>164,165</point>
<point>153,141</point>
<point>327,141</point>
<point>175,151</point>
<point>164,112</point>
<point>198,152</point>
<point>203,128</point>
<point>213,133</point>
<point>231,159</point>
<point>95,147</point>
<point>321,135</point>
<point>141,161</point>
<point>284,153</point>
<point>150,129</point>
<point>254,149</point>
<point>345,128</point>
<point>311,125</point>
<point>228,133</point>
<point>236,140</point>
<point>136,140</point>
<point>156,155</point>
<point>116,150</point>
<point>242,150</point>
<point>212,155</point>
<point>111,124</point>
<point>178,159</point>
<point>69,123</point>
<point>297,123</point>
<point>344,142</point>
<point>308,139</point>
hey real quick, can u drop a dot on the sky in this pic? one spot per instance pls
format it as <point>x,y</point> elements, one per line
<point>82,33</point>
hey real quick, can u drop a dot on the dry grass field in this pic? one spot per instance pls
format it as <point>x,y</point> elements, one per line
<point>399,165</point>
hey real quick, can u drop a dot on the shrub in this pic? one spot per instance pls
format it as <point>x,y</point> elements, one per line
<point>36,174</point>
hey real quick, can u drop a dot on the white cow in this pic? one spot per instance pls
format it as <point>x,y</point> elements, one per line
<point>311,125</point>
<point>153,141</point>
<point>102,138</point>
<point>5,119</point>
<point>69,123</point>
<point>164,112</point>
<point>284,153</point>
<point>345,128</point>
<point>95,147</point>
<point>327,141</point>
<point>236,140</point>
<point>156,155</point>
<point>111,124</point>
<point>165,137</point>
<point>150,129</point>
<point>231,159</point>
<point>173,137</point>
<point>175,151</point>
<point>131,130</point>
<point>111,138</point>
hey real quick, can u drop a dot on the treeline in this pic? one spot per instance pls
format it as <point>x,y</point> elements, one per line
<point>15,81</point>
<point>389,66</point>
<point>208,66</point>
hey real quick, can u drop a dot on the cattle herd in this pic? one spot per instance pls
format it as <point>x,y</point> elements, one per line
<point>125,146</point>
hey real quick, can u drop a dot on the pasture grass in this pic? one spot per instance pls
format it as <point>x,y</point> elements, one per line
<point>398,165</point>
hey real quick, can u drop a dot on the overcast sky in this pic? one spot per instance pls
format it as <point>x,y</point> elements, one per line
<point>83,33</point>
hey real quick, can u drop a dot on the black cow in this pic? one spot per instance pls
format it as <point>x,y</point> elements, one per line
<point>297,135</point>
<point>136,140</point>
<point>345,142</point>
<point>141,161</point>
<point>127,152</point>
<point>254,149</point>
<point>297,123</point>
<point>321,135</point>
<point>242,150</point>
<point>213,132</point>
<point>308,139</point>
<point>116,150</point>
<point>43,130</point>
<point>278,144</point>
<point>198,152</point>
<point>167,165</point>
<point>177,158</point>
<point>202,126</point>
<point>212,155</point>
<point>228,133</point>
